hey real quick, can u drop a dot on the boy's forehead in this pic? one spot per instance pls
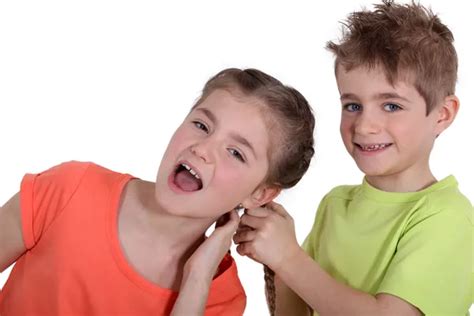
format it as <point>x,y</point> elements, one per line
<point>377,74</point>
<point>374,83</point>
<point>401,75</point>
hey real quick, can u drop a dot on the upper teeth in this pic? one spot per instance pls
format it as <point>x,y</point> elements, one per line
<point>374,147</point>
<point>191,171</point>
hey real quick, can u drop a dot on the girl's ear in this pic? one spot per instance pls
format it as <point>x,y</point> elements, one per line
<point>447,113</point>
<point>262,195</point>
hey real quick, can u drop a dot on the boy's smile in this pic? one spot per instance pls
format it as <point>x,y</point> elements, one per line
<point>385,127</point>
<point>375,148</point>
<point>216,159</point>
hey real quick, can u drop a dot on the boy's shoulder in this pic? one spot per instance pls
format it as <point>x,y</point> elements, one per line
<point>344,192</point>
<point>449,199</point>
<point>443,197</point>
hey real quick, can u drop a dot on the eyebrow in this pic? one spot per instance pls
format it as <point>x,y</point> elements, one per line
<point>236,137</point>
<point>208,113</point>
<point>391,95</point>
<point>379,96</point>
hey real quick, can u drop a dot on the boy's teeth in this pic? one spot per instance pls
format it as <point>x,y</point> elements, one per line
<point>374,147</point>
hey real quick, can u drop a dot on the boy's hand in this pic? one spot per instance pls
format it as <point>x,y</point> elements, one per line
<point>208,256</point>
<point>267,235</point>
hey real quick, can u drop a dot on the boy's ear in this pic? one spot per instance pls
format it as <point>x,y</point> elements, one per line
<point>446,113</point>
<point>262,195</point>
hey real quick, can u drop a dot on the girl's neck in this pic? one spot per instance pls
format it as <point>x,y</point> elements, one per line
<point>176,236</point>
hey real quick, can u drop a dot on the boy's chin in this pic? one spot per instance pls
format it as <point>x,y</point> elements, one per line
<point>372,171</point>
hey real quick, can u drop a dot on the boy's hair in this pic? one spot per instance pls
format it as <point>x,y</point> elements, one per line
<point>407,41</point>
<point>287,114</point>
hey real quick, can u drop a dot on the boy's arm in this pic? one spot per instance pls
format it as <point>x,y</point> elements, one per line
<point>329,297</point>
<point>288,302</point>
<point>11,237</point>
<point>273,242</point>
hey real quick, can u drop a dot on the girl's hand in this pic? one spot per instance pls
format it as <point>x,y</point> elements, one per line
<point>208,256</point>
<point>200,268</point>
<point>267,235</point>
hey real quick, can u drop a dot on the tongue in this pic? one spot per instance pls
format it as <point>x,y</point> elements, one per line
<point>186,181</point>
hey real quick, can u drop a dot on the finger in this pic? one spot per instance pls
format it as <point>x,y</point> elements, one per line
<point>244,249</point>
<point>232,222</point>
<point>258,212</point>
<point>277,208</point>
<point>245,236</point>
<point>222,220</point>
<point>252,221</point>
<point>243,228</point>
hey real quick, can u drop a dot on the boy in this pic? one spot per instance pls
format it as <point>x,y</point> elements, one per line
<point>401,242</point>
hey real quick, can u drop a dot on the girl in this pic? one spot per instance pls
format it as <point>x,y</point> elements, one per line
<point>87,240</point>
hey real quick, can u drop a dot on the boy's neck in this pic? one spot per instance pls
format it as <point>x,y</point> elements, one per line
<point>402,182</point>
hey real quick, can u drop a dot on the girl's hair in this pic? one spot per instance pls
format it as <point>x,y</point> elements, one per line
<point>408,41</point>
<point>288,117</point>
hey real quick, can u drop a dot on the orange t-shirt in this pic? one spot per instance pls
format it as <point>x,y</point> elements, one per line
<point>74,264</point>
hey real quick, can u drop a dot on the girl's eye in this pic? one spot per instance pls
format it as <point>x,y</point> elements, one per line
<point>391,107</point>
<point>353,107</point>
<point>235,153</point>
<point>201,126</point>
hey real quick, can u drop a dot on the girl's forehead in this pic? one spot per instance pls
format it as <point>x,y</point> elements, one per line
<point>233,96</point>
<point>224,105</point>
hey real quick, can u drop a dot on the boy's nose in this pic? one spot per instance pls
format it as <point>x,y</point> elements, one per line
<point>367,124</point>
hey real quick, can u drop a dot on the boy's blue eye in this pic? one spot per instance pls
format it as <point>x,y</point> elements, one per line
<point>391,107</point>
<point>235,153</point>
<point>201,126</point>
<point>353,107</point>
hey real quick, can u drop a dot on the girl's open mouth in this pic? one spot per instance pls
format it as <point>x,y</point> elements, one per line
<point>186,178</point>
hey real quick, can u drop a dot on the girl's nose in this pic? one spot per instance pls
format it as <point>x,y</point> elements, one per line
<point>202,150</point>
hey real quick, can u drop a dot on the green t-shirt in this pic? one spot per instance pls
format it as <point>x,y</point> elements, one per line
<point>417,245</point>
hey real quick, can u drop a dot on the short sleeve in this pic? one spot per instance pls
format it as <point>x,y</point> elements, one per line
<point>431,268</point>
<point>44,195</point>
<point>311,241</point>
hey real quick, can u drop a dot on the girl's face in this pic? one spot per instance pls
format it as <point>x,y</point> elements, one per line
<point>216,159</point>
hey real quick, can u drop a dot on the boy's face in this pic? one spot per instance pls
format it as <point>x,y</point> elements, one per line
<point>216,159</point>
<point>384,127</point>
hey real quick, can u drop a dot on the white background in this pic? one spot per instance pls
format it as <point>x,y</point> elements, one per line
<point>109,81</point>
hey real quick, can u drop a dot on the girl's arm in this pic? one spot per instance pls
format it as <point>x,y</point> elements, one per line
<point>200,268</point>
<point>273,242</point>
<point>11,237</point>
